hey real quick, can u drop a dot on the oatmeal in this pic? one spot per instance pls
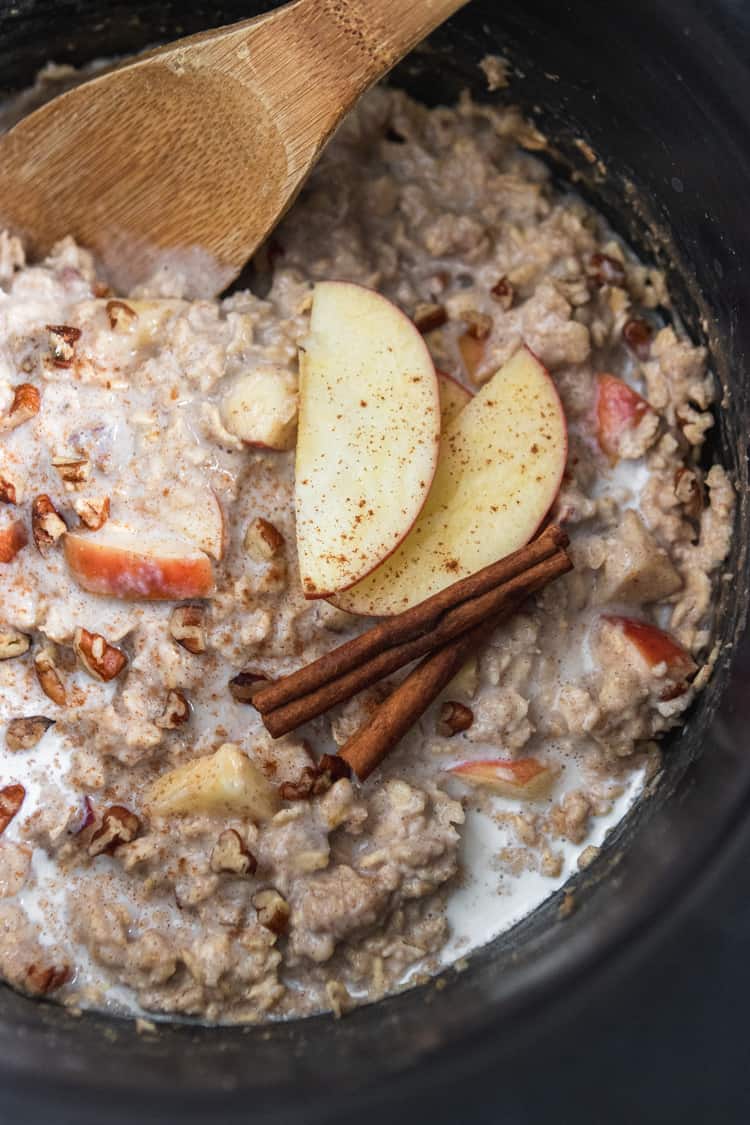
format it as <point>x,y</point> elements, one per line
<point>159,850</point>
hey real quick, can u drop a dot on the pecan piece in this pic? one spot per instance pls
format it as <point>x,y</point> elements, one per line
<point>503,292</point>
<point>47,525</point>
<point>334,767</point>
<point>273,910</point>
<point>637,334</point>
<point>187,626</point>
<point>478,324</point>
<point>10,488</point>
<point>62,343</point>
<point>176,711</point>
<point>49,677</point>
<point>13,644</point>
<point>43,979</point>
<point>13,539</point>
<point>93,512</point>
<point>230,856</point>
<point>428,317</point>
<point>263,540</point>
<point>454,717</point>
<point>300,789</point>
<point>245,683</point>
<point>606,270</point>
<point>25,404</point>
<point>119,826</point>
<point>11,799</point>
<point>120,315</point>
<point>689,491</point>
<point>74,471</point>
<point>100,659</point>
<point>23,734</point>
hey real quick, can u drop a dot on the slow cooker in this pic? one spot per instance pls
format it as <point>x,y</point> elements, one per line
<point>647,109</point>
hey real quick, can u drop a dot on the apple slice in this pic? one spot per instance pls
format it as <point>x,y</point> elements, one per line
<point>225,783</point>
<point>121,563</point>
<point>369,434</point>
<point>453,398</point>
<point>195,514</point>
<point>656,647</point>
<point>501,464</point>
<point>13,538</point>
<point>261,408</point>
<point>526,778</point>
<point>619,411</point>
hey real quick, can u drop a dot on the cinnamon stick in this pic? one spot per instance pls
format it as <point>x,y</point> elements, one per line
<point>407,703</point>
<point>453,623</point>
<point>406,626</point>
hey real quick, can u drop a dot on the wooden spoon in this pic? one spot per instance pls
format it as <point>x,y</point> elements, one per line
<point>189,155</point>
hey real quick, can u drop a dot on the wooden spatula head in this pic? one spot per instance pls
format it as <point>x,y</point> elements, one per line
<point>188,156</point>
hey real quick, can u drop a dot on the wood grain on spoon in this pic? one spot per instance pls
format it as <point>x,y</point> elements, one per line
<point>192,152</point>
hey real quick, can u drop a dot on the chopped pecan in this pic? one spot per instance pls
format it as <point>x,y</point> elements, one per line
<point>47,525</point>
<point>454,717</point>
<point>120,315</point>
<point>11,799</point>
<point>176,711</point>
<point>428,317</point>
<point>187,626</point>
<point>62,343</point>
<point>13,644</point>
<point>300,789</point>
<point>245,683</point>
<point>119,826</point>
<point>637,334</point>
<point>478,324</point>
<point>73,470</point>
<point>230,856</point>
<point>273,910</point>
<point>23,734</point>
<point>689,491</point>
<point>100,659</point>
<point>93,512</point>
<point>10,488</point>
<point>43,979</point>
<point>49,677</point>
<point>263,540</point>
<point>13,538</point>
<point>606,270</point>
<point>503,292</point>
<point>26,403</point>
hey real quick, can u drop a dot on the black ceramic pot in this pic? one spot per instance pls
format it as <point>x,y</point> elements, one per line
<point>660,91</point>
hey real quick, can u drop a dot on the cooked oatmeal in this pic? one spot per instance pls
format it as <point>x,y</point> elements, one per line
<point>164,430</point>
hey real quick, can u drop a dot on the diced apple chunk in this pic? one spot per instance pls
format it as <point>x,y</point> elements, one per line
<point>526,778</point>
<point>225,783</point>
<point>261,408</point>
<point>119,562</point>
<point>626,424</point>
<point>656,648</point>
<point>369,433</point>
<point>636,569</point>
<point>500,467</point>
<point>196,515</point>
<point>453,398</point>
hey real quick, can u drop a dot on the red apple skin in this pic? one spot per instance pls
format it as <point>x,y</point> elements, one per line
<point>618,408</point>
<point>114,571</point>
<point>524,777</point>
<point>13,539</point>
<point>656,646</point>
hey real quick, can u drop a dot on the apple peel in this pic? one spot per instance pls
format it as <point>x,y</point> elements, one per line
<point>527,778</point>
